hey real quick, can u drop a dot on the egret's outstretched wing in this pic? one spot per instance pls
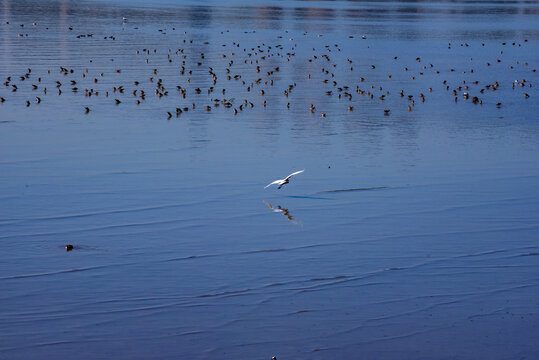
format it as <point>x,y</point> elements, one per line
<point>273,183</point>
<point>294,173</point>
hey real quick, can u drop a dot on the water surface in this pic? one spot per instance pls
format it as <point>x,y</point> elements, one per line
<point>179,252</point>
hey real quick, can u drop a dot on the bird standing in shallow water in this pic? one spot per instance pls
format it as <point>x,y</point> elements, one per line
<point>284,181</point>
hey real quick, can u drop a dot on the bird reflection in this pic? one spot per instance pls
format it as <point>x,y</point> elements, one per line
<point>279,209</point>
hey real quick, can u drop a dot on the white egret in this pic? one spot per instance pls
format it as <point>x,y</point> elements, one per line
<point>281,182</point>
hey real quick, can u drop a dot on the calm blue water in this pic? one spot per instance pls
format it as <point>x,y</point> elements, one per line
<point>180,252</point>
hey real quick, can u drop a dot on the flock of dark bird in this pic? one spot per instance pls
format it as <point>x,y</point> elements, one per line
<point>240,77</point>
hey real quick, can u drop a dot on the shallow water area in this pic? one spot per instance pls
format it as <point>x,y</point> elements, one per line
<point>411,234</point>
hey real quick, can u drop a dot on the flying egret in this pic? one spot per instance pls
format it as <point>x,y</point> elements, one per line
<point>281,182</point>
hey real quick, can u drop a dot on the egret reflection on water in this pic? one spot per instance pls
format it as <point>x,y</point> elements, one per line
<point>284,211</point>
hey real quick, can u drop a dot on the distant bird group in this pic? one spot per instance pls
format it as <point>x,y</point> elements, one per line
<point>250,75</point>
